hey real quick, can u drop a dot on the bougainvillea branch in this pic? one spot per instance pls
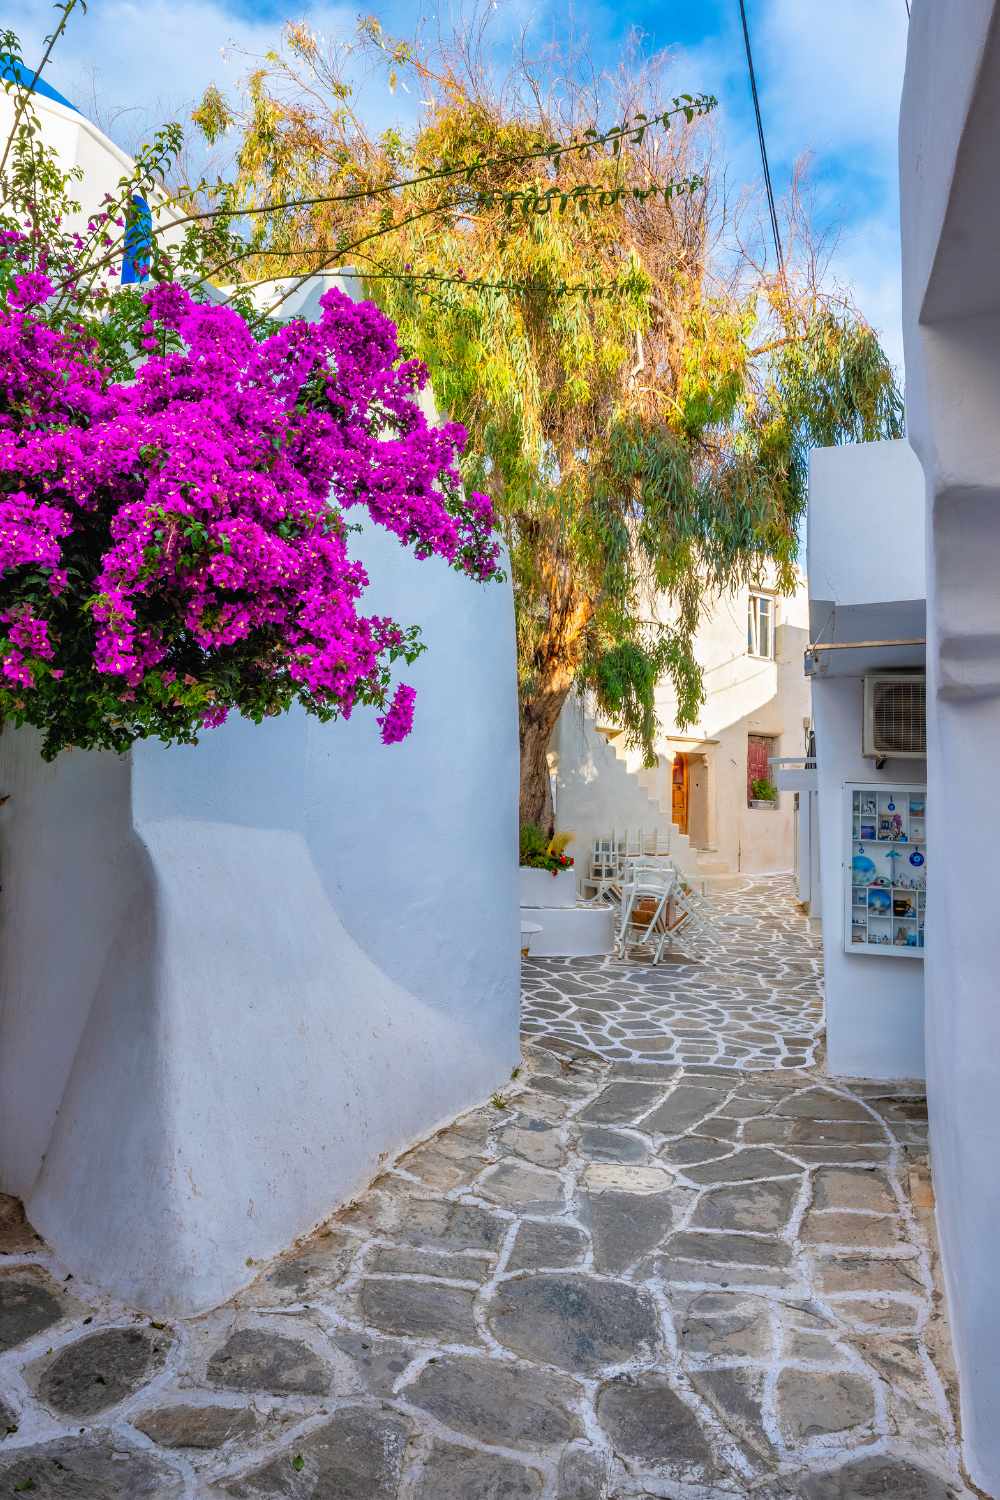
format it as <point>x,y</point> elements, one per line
<point>177,548</point>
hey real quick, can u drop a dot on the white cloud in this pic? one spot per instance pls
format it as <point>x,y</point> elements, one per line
<point>867,262</point>
<point>830,78</point>
<point>832,75</point>
<point>148,63</point>
<point>831,81</point>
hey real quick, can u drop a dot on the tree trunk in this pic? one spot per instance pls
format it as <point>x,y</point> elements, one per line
<point>538,719</point>
<point>557,660</point>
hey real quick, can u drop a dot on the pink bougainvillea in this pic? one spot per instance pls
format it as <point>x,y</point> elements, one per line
<point>178,547</point>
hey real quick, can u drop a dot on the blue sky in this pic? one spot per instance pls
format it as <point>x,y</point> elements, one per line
<point>830,79</point>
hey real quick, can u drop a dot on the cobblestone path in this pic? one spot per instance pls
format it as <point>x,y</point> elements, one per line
<point>621,1279</point>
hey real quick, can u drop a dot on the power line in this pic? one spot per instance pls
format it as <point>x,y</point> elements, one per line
<point>763,147</point>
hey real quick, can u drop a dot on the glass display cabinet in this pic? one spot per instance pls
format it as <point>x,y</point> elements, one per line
<point>885,873</point>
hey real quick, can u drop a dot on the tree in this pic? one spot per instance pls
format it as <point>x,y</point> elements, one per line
<point>640,393</point>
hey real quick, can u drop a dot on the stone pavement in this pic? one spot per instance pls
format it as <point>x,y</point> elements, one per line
<point>619,1279</point>
<point>743,991</point>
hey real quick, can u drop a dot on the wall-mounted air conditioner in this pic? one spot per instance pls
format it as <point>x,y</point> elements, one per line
<point>895,716</point>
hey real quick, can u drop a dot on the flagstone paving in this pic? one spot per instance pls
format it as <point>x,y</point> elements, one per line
<point>622,1280</point>
<point>742,991</point>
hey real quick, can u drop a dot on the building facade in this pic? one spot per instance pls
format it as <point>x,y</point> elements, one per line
<point>250,1002</point>
<point>750,646</point>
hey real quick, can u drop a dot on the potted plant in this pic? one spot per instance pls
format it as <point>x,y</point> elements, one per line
<point>547,876</point>
<point>763,793</point>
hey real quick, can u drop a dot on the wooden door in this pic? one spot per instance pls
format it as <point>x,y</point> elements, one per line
<point>679,799</point>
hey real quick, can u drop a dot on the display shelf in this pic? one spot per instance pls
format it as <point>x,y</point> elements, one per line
<point>885,907</point>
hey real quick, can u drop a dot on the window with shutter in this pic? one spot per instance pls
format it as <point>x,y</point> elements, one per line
<point>759,748</point>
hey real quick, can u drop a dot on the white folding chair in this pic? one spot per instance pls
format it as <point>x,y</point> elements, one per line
<point>693,913</point>
<point>604,871</point>
<point>645,909</point>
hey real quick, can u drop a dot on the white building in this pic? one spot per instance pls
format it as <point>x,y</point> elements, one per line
<point>949,127</point>
<point>885,538</point>
<point>750,645</point>
<point>78,142</point>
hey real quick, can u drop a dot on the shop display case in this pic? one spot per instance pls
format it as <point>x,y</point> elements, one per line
<point>885,874</point>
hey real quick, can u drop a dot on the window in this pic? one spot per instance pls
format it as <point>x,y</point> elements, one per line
<point>760,747</point>
<point>760,625</point>
<point>138,242</point>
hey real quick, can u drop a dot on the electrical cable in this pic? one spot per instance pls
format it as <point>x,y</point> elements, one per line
<point>763,147</point>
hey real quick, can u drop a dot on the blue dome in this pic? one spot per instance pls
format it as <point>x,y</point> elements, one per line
<point>13,71</point>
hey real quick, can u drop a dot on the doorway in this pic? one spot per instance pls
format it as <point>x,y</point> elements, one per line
<point>679,793</point>
<point>697,798</point>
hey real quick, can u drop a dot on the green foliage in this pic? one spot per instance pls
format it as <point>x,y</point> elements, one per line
<point>641,421</point>
<point>624,676</point>
<point>763,790</point>
<point>534,841</point>
<point>539,852</point>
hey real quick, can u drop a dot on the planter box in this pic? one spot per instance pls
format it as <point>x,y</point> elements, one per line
<point>541,888</point>
<point>763,802</point>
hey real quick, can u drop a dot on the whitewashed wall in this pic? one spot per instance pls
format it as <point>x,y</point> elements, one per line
<point>79,143</point>
<point>950,213</point>
<point>599,790</point>
<point>874,1004</point>
<point>232,975</point>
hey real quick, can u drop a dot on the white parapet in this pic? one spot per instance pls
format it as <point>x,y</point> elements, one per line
<point>556,923</point>
<point>570,932</point>
<point>547,887</point>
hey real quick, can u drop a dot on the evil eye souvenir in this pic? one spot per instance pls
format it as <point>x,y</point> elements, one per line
<point>916,859</point>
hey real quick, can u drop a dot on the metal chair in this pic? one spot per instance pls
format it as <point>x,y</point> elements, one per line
<point>658,843</point>
<point>604,868</point>
<point>645,909</point>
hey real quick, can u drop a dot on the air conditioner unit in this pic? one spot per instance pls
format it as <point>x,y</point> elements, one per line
<point>895,717</point>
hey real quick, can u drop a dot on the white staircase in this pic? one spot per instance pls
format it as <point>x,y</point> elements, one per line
<point>602,786</point>
<point>656,782</point>
<point>650,794</point>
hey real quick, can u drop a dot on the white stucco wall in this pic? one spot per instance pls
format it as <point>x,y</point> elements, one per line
<point>866,524</point>
<point>874,1003</point>
<point>950,215</point>
<point>232,975</point>
<point>744,695</point>
<point>79,143</point>
<point>595,793</point>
